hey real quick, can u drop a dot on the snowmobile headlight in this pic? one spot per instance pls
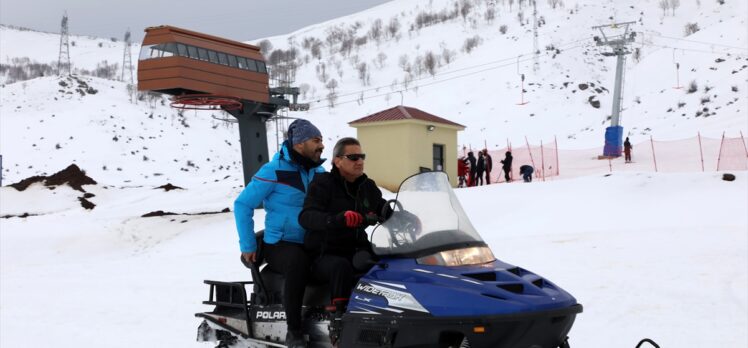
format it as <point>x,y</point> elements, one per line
<point>458,257</point>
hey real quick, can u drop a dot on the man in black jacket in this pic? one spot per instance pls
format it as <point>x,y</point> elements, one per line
<point>473,169</point>
<point>337,208</point>
<point>506,164</point>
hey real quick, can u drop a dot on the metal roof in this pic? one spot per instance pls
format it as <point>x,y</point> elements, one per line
<point>404,113</point>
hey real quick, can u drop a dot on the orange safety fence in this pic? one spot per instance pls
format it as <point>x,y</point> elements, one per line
<point>685,155</point>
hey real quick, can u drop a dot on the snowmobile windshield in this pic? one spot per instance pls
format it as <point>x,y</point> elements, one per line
<point>427,218</point>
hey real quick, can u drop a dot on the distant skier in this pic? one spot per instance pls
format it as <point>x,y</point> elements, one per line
<point>489,166</point>
<point>627,150</point>
<point>479,169</point>
<point>526,172</point>
<point>471,177</point>
<point>506,164</point>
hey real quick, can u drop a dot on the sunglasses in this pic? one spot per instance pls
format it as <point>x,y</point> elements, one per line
<point>355,156</point>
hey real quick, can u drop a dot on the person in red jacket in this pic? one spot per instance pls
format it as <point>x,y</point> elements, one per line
<point>462,171</point>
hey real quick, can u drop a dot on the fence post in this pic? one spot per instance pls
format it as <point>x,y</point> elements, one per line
<point>610,164</point>
<point>741,138</point>
<point>532,160</point>
<point>542,159</point>
<point>721,143</point>
<point>654,158</point>
<point>701,152</point>
<point>558,169</point>
<point>511,170</point>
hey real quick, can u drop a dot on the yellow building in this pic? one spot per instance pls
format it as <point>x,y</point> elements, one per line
<point>403,141</point>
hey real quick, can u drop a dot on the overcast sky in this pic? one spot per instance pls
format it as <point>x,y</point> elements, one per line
<point>241,20</point>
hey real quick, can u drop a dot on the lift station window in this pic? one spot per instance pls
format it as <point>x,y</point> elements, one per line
<point>213,57</point>
<point>178,49</point>
<point>232,61</point>
<point>203,53</point>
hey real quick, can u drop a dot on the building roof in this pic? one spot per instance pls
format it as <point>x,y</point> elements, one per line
<point>404,113</point>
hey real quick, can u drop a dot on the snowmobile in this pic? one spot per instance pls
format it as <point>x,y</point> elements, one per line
<point>431,282</point>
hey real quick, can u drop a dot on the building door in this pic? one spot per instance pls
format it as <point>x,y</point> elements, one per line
<point>438,157</point>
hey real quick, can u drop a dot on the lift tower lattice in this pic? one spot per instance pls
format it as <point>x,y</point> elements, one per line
<point>618,44</point>
<point>127,61</point>
<point>63,57</point>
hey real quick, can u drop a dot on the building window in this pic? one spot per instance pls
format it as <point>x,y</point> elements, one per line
<point>171,49</point>
<point>242,63</point>
<point>251,64</point>
<point>182,50</point>
<point>438,157</point>
<point>223,59</point>
<point>213,57</point>
<point>192,50</point>
<point>232,61</point>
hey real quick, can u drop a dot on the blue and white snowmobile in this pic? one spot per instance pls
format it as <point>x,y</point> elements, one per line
<point>435,283</point>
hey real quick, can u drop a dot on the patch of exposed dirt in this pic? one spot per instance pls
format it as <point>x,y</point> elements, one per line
<point>24,215</point>
<point>86,203</point>
<point>163,213</point>
<point>168,187</point>
<point>72,175</point>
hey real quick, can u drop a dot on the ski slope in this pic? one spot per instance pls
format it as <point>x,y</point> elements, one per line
<point>663,256</point>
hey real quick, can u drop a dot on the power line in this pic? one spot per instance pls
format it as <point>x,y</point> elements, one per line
<point>691,49</point>
<point>699,42</point>
<point>513,58</point>
<point>529,58</point>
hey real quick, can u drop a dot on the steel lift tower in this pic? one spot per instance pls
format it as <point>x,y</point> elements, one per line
<point>63,57</point>
<point>618,44</point>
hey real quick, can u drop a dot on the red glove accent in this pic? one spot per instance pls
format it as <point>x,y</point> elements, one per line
<point>353,219</point>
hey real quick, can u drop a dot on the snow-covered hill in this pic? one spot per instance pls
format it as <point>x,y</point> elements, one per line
<point>458,59</point>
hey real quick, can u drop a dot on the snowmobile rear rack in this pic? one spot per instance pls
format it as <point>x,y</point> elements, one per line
<point>228,297</point>
<point>227,294</point>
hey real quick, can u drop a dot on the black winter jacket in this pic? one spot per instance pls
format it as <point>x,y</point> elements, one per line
<point>329,194</point>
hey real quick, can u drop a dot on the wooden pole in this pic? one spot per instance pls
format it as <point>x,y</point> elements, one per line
<point>654,158</point>
<point>701,152</point>
<point>719,157</point>
<point>558,169</point>
<point>542,160</point>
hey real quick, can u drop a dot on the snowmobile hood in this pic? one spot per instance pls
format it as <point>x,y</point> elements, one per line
<point>405,288</point>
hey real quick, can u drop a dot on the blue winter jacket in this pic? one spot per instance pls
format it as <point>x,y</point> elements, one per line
<point>280,185</point>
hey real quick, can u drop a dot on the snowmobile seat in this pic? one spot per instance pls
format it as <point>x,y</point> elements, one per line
<point>272,281</point>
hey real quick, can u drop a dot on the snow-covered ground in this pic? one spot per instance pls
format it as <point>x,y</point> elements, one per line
<point>663,256</point>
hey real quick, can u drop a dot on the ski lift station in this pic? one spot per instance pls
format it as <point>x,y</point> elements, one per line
<point>205,72</point>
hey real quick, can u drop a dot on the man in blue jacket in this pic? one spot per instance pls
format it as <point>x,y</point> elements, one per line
<point>281,185</point>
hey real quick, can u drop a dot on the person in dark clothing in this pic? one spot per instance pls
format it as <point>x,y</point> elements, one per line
<point>627,150</point>
<point>526,172</point>
<point>471,160</point>
<point>506,165</point>
<point>489,166</point>
<point>280,185</point>
<point>338,207</point>
<point>479,169</point>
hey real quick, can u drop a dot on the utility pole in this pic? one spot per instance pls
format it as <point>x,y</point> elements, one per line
<point>63,58</point>
<point>618,44</point>
<point>535,48</point>
<point>127,61</point>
